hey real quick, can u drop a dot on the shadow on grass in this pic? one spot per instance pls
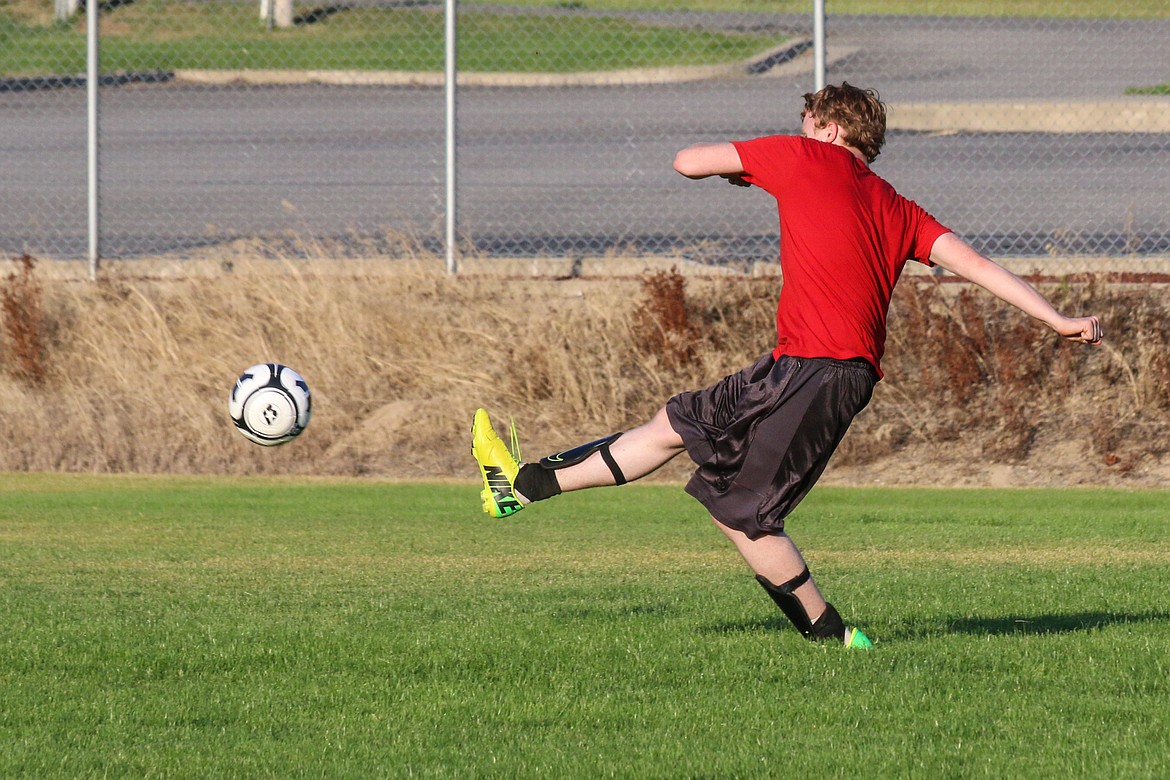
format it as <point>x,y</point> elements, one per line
<point>318,15</point>
<point>1047,624</point>
<point>990,626</point>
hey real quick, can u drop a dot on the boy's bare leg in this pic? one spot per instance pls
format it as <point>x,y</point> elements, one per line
<point>777,559</point>
<point>508,486</point>
<point>638,451</point>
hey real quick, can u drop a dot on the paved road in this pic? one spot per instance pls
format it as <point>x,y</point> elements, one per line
<point>588,168</point>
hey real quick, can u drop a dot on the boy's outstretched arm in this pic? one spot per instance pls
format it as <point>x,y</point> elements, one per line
<point>958,257</point>
<point>702,160</point>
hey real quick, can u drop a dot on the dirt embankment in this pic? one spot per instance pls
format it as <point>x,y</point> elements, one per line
<point>132,372</point>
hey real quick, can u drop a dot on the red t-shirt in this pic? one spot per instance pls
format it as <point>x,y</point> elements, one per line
<point>845,236</point>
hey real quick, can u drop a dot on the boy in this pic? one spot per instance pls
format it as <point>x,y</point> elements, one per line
<point>762,437</point>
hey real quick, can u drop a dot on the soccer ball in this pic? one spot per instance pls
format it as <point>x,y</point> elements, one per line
<point>270,404</point>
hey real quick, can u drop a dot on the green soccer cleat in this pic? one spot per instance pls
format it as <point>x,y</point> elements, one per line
<point>854,638</point>
<point>497,466</point>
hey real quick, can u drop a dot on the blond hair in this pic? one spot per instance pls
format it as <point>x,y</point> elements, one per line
<point>859,113</point>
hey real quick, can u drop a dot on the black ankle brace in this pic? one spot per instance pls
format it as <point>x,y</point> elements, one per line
<point>829,625</point>
<point>536,483</point>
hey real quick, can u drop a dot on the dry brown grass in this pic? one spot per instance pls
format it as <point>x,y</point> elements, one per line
<point>25,323</point>
<point>137,366</point>
<point>31,12</point>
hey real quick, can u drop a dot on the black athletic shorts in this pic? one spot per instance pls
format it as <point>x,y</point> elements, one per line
<point>762,437</point>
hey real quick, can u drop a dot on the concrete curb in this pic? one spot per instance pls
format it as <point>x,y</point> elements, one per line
<point>1121,115</point>
<point>781,60</point>
<point>356,78</point>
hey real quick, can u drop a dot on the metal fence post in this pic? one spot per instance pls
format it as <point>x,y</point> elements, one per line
<point>91,86</point>
<point>819,45</point>
<point>451,52</point>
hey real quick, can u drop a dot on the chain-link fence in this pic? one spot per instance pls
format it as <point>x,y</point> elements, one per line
<point>320,129</point>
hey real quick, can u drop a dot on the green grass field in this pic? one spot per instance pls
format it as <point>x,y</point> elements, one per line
<point>153,34</point>
<point>203,627</point>
<point>1040,8</point>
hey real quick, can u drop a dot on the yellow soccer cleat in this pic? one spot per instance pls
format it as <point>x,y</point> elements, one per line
<point>497,466</point>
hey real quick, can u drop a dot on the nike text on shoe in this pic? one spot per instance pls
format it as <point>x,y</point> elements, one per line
<point>497,466</point>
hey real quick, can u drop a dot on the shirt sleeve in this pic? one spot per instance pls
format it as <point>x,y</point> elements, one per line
<point>927,230</point>
<point>764,160</point>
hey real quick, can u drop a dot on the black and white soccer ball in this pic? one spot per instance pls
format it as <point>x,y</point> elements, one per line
<point>270,404</point>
